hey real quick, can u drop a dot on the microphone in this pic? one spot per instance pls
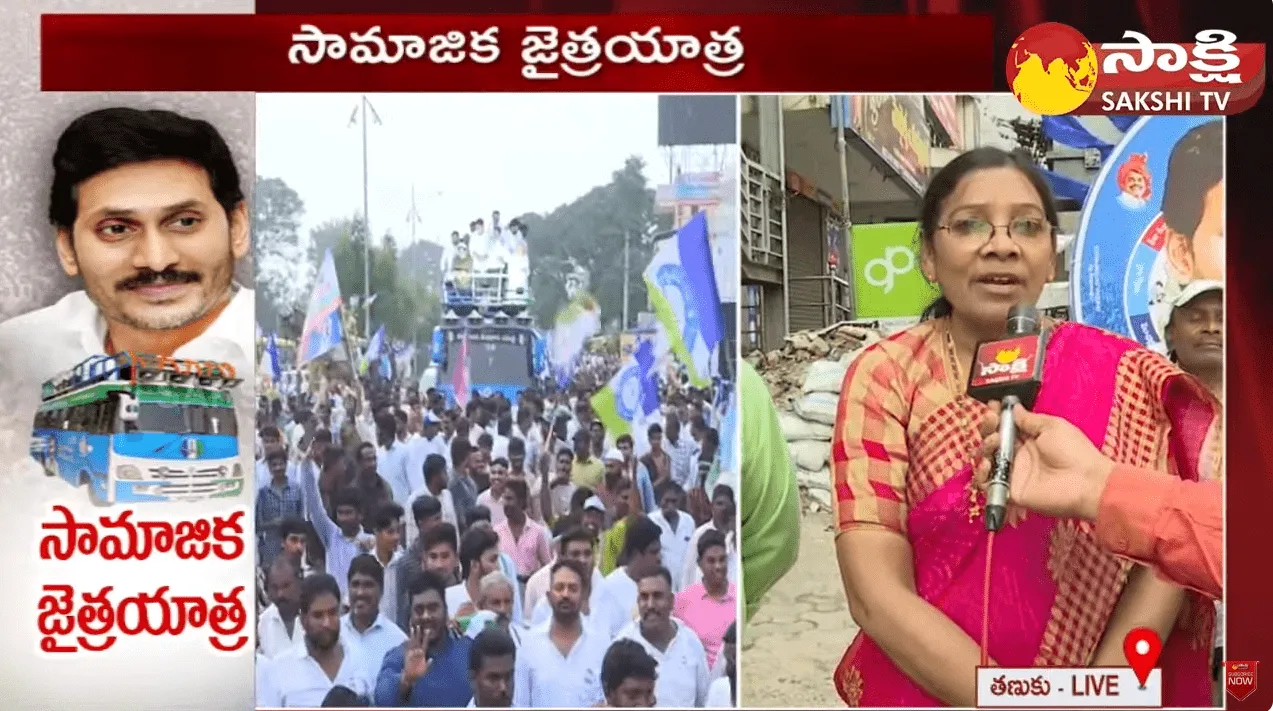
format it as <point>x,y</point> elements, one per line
<point>1009,370</point>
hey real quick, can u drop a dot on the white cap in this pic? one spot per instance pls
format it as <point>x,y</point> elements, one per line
<point>594,503</point>
<point>614,455</point>
<point>1194,289</point>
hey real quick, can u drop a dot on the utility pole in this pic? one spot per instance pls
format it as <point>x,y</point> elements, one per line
<point>365,108</point>
<point>413,215</point>
<point>627,270</point>
<point>846,231</point>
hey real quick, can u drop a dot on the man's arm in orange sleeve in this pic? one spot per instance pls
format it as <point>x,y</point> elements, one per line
<point>1171,525</point>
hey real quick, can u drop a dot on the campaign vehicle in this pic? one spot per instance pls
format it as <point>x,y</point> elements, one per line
<point>504,356</point>
<point>487,341</point>
<point>137,428</point>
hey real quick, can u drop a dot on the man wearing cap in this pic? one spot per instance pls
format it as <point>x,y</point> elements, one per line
<point>1195,333</point>
<point>1195,342</point>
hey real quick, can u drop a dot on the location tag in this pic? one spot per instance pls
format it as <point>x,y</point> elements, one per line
<point>1142,647</point>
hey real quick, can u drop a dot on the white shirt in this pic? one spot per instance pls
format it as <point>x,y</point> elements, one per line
<point>674,542</point>
<point>682,673</point>
<point>73,329</point>
<point>448,513</point>
<point>534,444</point>
<point>418,450</point>
<point>391,464</point>
<point>718,695</point>
<point>539,582</point>
<point>543,610</point>
<point>543,678</point>
<point>457,596</point>
<point>295,680</point>
<point>263,472</point>
<point>499,447</point>
<point>382,636</point>
<point>484,618</point>
<point>448,258</point>
<point>620,600</point>
<point>366,428</point>
<point>479,245</point>
<point>273,636</point>
<point>476,432</point>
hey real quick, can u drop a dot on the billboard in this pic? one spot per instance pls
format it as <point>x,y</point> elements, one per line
<point>1152,223</point>
<point>946,108</point>
<point>893,125</point>
<point>690,190</point>
<point>703,120</point>
<point>887,282</point>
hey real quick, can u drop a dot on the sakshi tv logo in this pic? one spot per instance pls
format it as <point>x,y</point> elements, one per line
<point>1054,70</point>
<point>1006,360</point>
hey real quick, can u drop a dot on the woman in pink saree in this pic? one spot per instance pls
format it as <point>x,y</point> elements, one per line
<point>911,540</point>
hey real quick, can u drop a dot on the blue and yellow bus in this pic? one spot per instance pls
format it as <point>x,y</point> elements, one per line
<point>503,357</point>
<point>136,428</point>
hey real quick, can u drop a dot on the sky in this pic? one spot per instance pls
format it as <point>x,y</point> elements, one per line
<point>465,154</point>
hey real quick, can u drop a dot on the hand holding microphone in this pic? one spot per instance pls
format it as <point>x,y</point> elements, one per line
<point>1010,371</point>
<point>1057,470</point>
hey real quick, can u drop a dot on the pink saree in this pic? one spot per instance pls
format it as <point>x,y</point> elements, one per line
<point>903,454</point>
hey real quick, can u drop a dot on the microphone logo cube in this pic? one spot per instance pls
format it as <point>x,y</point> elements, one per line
<point>1001,362</point>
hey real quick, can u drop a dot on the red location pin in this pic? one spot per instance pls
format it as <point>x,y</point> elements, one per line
<point>1142,646</point>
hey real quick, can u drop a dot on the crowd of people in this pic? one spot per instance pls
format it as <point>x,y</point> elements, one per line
<point>417,554</point>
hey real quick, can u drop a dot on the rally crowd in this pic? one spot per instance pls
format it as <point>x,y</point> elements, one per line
<point>418,554</point>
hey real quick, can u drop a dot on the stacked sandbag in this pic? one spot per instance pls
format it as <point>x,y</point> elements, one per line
<point>805,378</point>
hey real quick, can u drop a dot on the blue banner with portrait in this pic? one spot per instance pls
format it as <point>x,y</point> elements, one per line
<point>1152,223</point>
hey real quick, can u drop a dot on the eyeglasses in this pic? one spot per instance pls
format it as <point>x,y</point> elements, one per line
<point>1022,228</point>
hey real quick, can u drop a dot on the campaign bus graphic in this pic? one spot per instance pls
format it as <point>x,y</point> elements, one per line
<point>136,428</point>
<point>1122,279</point>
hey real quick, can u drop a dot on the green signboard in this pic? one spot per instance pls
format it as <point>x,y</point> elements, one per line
<point>887,281</point>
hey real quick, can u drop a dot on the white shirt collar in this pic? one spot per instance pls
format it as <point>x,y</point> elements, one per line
<point>83,316</point>
<point>347,620</point>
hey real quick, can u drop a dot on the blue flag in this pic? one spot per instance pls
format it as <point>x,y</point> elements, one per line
<point>682,288</point>
<point>272,361</point>
<point>322,331</point>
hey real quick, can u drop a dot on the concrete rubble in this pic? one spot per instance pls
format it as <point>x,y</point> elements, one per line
<point>805,377</point>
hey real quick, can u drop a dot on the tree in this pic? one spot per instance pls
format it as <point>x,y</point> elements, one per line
<point>1027,134</point>
<point>283,275</point>
<point>325,237</point>
<point>403,304</point>
<point>590,232</point>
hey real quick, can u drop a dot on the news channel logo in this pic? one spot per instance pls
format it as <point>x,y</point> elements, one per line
<point>1052,69</point>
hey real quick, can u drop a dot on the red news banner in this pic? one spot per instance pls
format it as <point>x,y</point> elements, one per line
<point>72,620</point>
<point>665,53</point>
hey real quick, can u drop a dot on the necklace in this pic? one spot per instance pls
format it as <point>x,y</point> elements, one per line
<point>976,499</point>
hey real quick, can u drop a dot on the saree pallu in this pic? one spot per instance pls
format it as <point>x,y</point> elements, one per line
<point>915,476</point>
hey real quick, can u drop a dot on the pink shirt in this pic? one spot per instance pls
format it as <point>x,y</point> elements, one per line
<point>530,552</point>
<point>707,616</point>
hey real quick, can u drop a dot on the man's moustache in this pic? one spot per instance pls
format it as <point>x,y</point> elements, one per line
<point>152,278</point>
